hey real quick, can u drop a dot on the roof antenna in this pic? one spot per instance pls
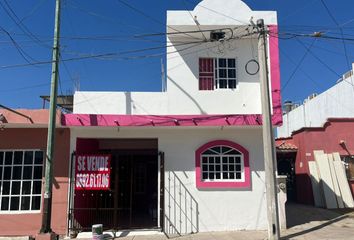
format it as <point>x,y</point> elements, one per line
<point>252,23</point>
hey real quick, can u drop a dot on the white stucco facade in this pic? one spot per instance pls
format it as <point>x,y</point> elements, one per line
<point>182,95</point>
<point>188,208</point>
<point>218,209</point>
<point>336,102</point>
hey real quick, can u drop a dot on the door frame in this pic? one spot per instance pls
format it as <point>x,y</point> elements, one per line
<point>161,191</point>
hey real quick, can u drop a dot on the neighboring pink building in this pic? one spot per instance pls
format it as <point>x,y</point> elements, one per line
<point>335,136</point>
<point>23,144</point>
<point>325,122</point>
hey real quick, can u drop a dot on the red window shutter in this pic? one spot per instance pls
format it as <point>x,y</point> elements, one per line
<point>206,74</point>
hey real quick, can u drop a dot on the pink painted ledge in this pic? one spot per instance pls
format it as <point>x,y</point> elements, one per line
<point>275,71</point>
<point>198,173</point>
<point>103,120</point>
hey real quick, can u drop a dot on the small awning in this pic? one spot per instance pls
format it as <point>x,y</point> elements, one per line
<point>283,146</point>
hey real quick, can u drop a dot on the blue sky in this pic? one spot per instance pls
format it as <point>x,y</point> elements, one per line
<point>84,23</point>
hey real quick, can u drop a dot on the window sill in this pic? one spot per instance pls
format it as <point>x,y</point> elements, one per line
<point>202,184</point>
<point>19,212</point>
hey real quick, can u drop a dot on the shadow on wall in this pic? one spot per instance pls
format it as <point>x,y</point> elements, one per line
<point>181,212</point>
<point>128,102</point>
<point>188,95</point>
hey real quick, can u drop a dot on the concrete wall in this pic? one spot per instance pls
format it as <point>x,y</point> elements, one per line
<point>219,209</point>
<point>336,102</point>
<point>24,138</point>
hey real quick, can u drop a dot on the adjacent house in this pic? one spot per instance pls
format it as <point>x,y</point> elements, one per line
<point>23,143</point>
<point>323,122</point>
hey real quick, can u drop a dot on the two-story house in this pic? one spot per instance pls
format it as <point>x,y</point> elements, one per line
<point>189,158</point>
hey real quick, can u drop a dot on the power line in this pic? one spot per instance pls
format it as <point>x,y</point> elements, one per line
<point>102,17</point>
<point>136,36</point>
<point>153,19</point>
<point>220,13</point>
<point>298,65</point>
<point>315,82</point>
<point>34,9</point>
<point>194,20</point>
<point>19,49</point>
<point>341,31</point>
<point>118,54</point>
<point>313,35</point>
<point>298,10</point>
<point>327,50</point>
<point>96,56</point>
<point>318,59</point>
<point>184,54</point>
<point>11,13</point>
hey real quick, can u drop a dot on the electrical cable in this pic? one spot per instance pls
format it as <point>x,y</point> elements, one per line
<point>153,19</point>
<point>298,65</point>
<point>19,49</point>
<point>114,54</point>
<point>315,82</point>
<point>194,20</point>
<point>11,13</point>
<point>31,12</point>
<point>103,17</point>
<point>293,35</point>
<point>341,31</point>
<point>327,50</point>
<point>298,10</point>
<point>221,14</point>
<point>318,59</point>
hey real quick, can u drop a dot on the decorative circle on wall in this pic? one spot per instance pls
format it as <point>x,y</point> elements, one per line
<point>252,67</point>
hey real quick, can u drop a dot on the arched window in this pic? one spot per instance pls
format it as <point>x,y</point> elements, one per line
<point>222,164</point>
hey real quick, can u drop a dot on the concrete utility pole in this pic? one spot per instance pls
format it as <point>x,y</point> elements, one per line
<point>268,138</point>
<point>47,204</point>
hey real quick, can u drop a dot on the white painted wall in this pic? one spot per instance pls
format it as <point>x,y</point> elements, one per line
<point>214,12</point>
<point>183,95</point>
<point>336,102</point>
<point>219,209</point>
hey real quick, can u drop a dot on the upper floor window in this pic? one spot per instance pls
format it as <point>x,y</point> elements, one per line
<point>222,164</point>
<point>20,180</point>
<point>217,73</point>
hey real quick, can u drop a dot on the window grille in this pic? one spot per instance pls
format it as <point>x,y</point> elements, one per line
<point>21,174</point>
<point>222,163</point>
<point>217,73</point>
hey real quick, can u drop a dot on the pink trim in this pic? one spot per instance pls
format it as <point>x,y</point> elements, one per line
<point>277,118</point>
<point>200,150</point>
<point>103,120</point>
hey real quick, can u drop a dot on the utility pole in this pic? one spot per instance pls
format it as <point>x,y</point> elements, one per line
<point>47,203</point>
<point>268,138</point>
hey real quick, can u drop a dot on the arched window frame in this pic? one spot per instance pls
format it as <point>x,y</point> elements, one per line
<point>244,183</point>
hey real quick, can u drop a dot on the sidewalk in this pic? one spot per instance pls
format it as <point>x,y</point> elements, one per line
<point>306,223</point>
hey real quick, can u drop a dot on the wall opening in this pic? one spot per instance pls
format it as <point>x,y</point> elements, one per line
<point>131,202</point>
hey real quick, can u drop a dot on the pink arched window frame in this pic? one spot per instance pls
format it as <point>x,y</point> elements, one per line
<point>215,184</point>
